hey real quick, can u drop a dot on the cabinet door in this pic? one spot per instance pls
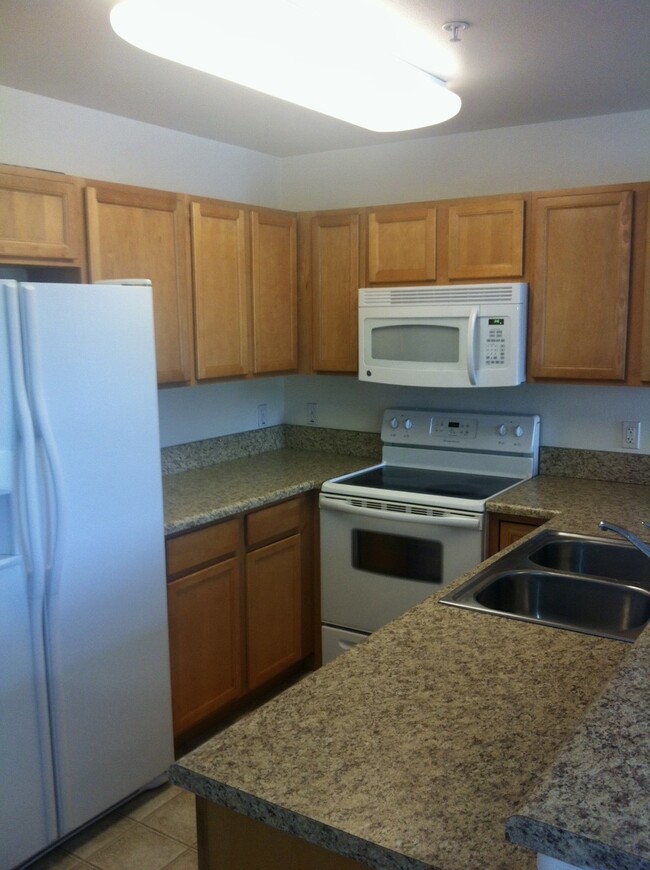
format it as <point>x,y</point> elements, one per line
<point>273,609</point>
<point>580,285</point>
<point>402,244</point>
<point>205,642</point>
<point>504,530</point>
<point>221,289</point>
<point>275,292</point>
<point>486,239</point>
<point>335,281</point>
<point>137,233</point>
<point>41,219</point>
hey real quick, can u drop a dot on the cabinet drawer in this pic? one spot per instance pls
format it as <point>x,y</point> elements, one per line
<point>279,519</point>
<point>194,549</point>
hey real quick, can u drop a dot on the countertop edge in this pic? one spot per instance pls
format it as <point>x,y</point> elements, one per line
<point>565,845</point>
<point>294,823</point>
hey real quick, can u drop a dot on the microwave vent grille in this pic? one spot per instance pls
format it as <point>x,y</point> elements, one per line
<point>438,295</point>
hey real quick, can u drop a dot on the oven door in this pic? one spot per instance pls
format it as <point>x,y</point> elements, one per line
<point>377,562</point>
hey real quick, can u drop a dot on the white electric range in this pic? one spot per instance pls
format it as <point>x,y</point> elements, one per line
<point>395,533</point>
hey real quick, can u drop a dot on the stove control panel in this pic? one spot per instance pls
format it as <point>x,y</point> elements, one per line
<point>498,433</point>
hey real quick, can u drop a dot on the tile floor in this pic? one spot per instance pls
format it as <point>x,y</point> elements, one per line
<point>155,830</point>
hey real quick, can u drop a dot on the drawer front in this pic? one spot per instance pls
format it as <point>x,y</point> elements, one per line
<point>271,522</point>
<point>194,549</point>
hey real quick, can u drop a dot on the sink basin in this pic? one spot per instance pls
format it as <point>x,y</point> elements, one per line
<point>598,558</point>
<point>591,585</point>
<point>594,606</point>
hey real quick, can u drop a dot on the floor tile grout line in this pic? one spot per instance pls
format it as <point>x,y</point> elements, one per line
<point>140,824</point>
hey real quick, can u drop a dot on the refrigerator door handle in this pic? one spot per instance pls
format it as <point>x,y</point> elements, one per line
<point>27,493</point>
<point>29,540</point>
<point>51,476</point>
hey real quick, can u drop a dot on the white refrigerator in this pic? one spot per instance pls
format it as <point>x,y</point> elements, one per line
<point>85,709</point>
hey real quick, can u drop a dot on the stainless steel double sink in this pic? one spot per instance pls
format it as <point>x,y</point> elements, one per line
<point>591,585</point>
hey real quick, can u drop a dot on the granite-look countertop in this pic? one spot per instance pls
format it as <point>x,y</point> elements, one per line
<point>204,495</point>
<point>412,750</point>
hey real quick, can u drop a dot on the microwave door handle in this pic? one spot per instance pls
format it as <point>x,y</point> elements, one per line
<point>472,330</point>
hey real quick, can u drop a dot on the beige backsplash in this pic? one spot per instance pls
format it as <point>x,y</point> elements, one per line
<point>554,461</point>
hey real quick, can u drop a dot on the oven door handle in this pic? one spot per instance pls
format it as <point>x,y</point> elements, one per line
<point>454,520</point>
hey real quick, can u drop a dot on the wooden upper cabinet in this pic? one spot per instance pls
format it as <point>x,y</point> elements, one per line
<point>486,239</point>
<point>41,218</point>
<point>140,233</point>
<point>220,264</point>
<point>335,281</point>
<point>402,244</point>
<point>274,291</point>
<point>580,285</point>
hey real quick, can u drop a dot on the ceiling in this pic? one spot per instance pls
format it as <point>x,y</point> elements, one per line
<point>520,62</point>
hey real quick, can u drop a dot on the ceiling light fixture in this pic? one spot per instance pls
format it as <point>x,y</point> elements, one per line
<point>292,50</point>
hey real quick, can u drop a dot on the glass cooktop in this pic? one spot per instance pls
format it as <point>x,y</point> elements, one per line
<point>425,481</point>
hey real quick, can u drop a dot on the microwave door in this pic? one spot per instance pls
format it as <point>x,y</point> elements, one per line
<point>423,351</point>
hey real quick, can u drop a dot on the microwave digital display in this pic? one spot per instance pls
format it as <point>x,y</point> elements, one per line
<point>496,321</point>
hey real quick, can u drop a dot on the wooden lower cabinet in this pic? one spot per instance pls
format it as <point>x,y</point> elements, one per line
<point>273,609</point>
<point>241,612</point>
<point>505,529</point>
<point>205,622</point>
<point>279,588</point>
<point>230,841</point>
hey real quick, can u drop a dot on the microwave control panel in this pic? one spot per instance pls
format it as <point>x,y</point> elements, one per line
<point>494,341</point>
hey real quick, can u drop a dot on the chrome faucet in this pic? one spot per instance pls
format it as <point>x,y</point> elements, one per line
<point>626,533</point>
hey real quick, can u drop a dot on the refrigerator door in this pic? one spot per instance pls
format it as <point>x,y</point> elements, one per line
<point>27,806</point>
<point>92,385</point>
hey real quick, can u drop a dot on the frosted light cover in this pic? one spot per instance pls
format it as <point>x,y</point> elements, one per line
<point>290,51</point>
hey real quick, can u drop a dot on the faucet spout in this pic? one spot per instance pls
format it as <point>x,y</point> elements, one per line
<point>628,535</point>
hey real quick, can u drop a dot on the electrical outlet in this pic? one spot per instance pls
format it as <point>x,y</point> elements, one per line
<point>261,416</point>
<point>312,413</point>
<point>631,434</point>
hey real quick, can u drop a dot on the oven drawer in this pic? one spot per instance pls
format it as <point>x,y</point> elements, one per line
<point>336,641</point>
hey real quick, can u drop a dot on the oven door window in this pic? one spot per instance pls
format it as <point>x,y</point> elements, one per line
<point>416,342</point>
<point>397,556</point>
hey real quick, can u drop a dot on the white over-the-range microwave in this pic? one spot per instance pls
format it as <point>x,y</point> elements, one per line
<point>456,336</point>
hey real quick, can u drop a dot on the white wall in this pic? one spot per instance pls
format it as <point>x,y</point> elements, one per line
<point>572,416</point>
<point>41,132</point>
<point>194,413</point>
<point>580,152</point>
<point>49,134</point>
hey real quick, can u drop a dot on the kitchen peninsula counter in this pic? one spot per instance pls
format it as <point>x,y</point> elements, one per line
<point>412,750</point>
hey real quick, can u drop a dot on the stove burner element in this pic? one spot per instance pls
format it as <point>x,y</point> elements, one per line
<point>431,482</point>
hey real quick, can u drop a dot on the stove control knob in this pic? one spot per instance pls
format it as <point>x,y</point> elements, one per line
<point>394,423</point>
<point>408,424</point>
<point>518,431</point>
<point>502,429</point>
